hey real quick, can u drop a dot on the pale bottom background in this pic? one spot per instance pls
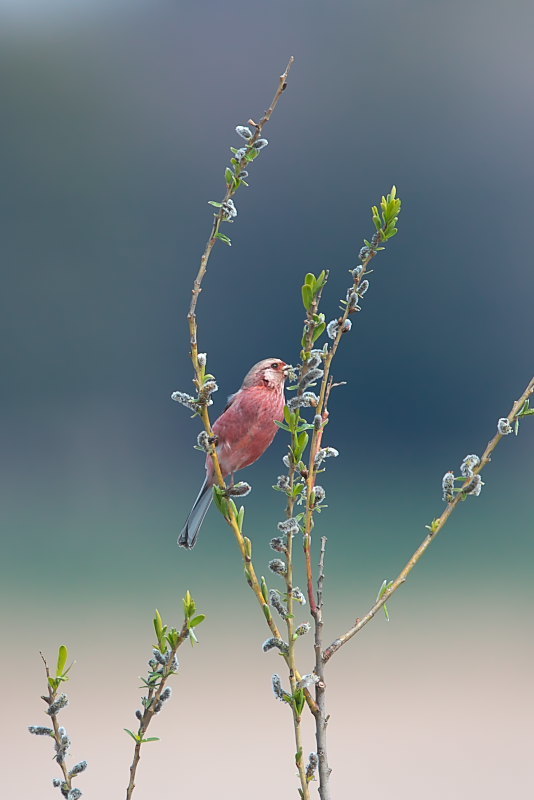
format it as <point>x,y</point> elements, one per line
<point>438,703</point>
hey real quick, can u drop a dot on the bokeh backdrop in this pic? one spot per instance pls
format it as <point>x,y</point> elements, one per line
<point>117,123</point>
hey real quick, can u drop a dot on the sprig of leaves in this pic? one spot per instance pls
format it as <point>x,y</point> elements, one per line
<point>385,220</point>
<point>61,669</point>
<point>525,411</point>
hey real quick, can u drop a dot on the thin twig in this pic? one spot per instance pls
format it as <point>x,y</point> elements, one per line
<point>439,524</point>
<point>152,700</point>
<point>321,717</point>
<point>326,387</point>
<point>52,693</point>
<point>293,672</point>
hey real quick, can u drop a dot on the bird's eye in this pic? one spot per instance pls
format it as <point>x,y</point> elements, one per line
<point>274,365</point>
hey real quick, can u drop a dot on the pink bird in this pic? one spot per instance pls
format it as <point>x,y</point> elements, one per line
<point>244,431</point>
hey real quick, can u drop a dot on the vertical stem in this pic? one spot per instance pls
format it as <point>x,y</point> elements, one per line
<point>304,791</point>
<point>321,717</point>
<point>52,693</point>
<point>154,694</point>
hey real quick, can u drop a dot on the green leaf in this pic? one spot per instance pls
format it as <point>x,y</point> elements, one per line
<point>302,442</point>
<point>309,280</point>
<point>240,518</point>
<point>229,175</point>
<point>319,330</point>
<point>381,592</point>
<point>307,296</point>
<point>282,425</point>
<point>232,507</point>
<point>213,203</point>
<point>133,735</point>
<point>197,620</point>
<point>63,654</point>
<point>267,612</point>
<point>299,699</point>
<point>221,500</point>
<point>224,238</point>
<point>189,605</point>
<point>264,589</point>
<point>150,739</point>
<point>288,415</point>
<point>158,626</point>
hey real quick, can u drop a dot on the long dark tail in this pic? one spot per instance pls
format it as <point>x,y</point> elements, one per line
<point>195,519</point>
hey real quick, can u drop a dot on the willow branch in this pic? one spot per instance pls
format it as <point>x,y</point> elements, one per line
<point>218,218</point>
<point>151,708</point>
<point>290,622</point>
<point>436,528</point>
<point>231,517</point>
<point>326,386</point>
<point>50,699</point>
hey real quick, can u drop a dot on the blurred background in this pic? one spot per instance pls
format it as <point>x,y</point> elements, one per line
<point>117,122</point>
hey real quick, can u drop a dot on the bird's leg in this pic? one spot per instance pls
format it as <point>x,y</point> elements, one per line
<point>232,480</point>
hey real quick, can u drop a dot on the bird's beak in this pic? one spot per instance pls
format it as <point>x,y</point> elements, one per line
<point>287,370</point>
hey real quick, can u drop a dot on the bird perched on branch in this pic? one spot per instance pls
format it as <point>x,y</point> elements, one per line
<point>244,431</point>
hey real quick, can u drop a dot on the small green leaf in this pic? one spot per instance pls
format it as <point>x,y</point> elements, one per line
<point>288,415</point>
<point>63,654</point>
<point>133,735</point>
<point>189,605</point>
<point>240,518</point>
<point>302,443</point>
<point>319,330</point>
<point>282,425</point>
<point>221,500</point>
<point>158,625</point>
<point>264,589</point>
<point>267,612</point>
<point>229,176</point>
<point>232,508</point>
<point>307,296</point>
<point>197,620</point>
<point>224,238</point>
<point>309,280</point>
<point>213,203</point>
<point>150,739</point>
<point>299,699</point>
<point>383,589</point>
<point>321,279</point>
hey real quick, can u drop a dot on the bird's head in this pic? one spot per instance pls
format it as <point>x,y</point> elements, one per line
<point>270,372</point>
